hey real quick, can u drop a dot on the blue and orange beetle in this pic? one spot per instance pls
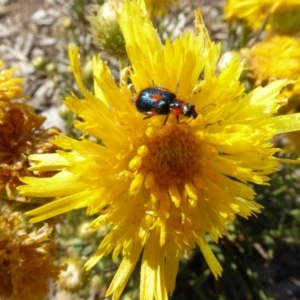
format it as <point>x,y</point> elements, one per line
<point>160,101</point>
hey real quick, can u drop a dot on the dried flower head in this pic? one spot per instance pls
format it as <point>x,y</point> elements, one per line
<point>27,261</point>
<point>21,135</point>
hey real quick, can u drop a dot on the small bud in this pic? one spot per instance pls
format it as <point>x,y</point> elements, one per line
<point>84,231</point>
<point>87,72</point>
<point>64,112</point>
<point>103,231</point>
<point>106,32</point>
<point>67,23</point>
<point>51,68</point>
<point>39,62</point>
<point>73,278</point>
<point>97,283</point>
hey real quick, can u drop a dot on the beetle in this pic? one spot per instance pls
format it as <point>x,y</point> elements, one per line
<point>160,101</point>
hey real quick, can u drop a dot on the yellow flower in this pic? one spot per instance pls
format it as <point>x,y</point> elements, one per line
<point>283,63</point>
<point>281,15</point>
<point>162,189</point>
<point>10,87</point>
<point>26,260</point>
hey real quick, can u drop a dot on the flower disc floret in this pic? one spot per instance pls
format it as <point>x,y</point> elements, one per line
<point>171,154</point>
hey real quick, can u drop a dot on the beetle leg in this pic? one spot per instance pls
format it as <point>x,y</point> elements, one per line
<point>147,117</point>
<point>166,119</point>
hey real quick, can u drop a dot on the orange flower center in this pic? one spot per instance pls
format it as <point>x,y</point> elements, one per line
<point>172,154</point>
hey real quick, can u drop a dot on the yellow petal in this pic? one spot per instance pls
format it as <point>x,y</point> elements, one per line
<point>211,260</point>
